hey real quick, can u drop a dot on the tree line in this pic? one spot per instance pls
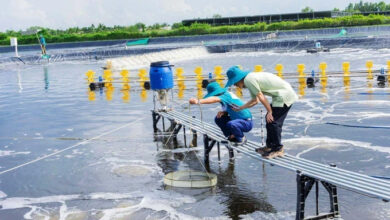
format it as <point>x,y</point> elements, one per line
<point>140,30</point>
<point>359,7</point>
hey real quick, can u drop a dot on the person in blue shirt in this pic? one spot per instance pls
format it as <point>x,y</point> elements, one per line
<point>232,123</point>
<point>42,41</point>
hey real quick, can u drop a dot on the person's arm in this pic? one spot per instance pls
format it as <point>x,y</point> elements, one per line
<point>249,104</point>
<point>209,100</point>
<point>260,96</point>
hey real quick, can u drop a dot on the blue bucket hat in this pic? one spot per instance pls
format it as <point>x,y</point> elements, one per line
<point>214,89</point>
<point>235,74</point>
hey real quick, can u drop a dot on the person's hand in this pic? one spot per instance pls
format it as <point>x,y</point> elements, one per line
<point>220,114</point>
<point>193,101</point>
<point>269,118</point>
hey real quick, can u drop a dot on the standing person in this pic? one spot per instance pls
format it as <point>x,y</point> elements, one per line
<point>283,96</point>
<point>42,41</point>
<point>232,123</point>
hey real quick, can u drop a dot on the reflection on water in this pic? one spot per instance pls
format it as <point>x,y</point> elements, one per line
<point>121,175</point>
<point>347,85</point>
<point>239,199</point>
<point>20,81</point>
<point>173,155</point>
<point>46,77</point>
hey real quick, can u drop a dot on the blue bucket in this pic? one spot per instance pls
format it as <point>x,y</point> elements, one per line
<point>161,76</point>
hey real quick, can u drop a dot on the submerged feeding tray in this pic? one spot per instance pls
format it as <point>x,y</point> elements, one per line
<point>190,179</point>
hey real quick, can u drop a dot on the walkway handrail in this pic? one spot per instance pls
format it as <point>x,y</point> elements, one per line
<point>349,180</point>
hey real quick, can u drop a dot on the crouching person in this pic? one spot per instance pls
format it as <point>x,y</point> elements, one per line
<point>233,124</point>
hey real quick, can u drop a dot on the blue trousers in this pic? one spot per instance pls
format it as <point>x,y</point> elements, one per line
<point>235,127</point>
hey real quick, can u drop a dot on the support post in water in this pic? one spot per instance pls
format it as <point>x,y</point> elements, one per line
<point>194,142</point>
<point>208,146</point>
<point>156,118</point>
<point>185,136</point>
<point>219,152</point>
<point>304,185</point>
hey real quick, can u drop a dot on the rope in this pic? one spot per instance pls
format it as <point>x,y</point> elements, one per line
<point>201,113</point>
<point>280,57</point>
<point>357,126</point>
<point>374,93</point>
<point>191,118</point>
<point>65,149</point>
<point>169,138</point>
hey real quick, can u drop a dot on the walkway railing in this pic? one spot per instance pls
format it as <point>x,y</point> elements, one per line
<point>309,173</point>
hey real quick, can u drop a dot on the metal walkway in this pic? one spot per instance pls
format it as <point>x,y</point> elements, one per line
<point>309,173</point>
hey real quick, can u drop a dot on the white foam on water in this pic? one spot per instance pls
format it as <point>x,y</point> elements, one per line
<point>76,151</point>
<point>310,104</point>
<point>132,168</point>
<point>364,90</point>
<point>154,204</point>
<point>38,211</point>
<point>183,150</point>
<point>334,142</point>
<point>360,115</point>
<point>144,60</point>
<point>162,201</point>
<point>337,112</point>
<point>116,160</point>
<point>307,150</point>
<point>387,166</point>
<point>113,196</point>
<point>2,195</point>
<point>22,202</point>
<point>4,153</point>
<point>367,160</point>
<point>269,216</point>
<point>275,53</point>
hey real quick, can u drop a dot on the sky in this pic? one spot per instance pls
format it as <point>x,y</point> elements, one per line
<point>62,14</point>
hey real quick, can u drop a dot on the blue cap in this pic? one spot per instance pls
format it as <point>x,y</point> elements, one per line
<point>214,89</point>
<point>235,74</point>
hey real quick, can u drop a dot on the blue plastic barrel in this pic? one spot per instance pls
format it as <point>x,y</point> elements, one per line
<point>160,75</point>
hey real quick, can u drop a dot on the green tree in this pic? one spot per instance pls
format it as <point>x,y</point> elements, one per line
<point>140,26</point>
<point>217,16</point>
<point>367,7</point>
<point>307,9</point>
<point>177,25</point>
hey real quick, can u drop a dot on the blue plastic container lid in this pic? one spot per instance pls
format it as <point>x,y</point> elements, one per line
<point>160,64</point>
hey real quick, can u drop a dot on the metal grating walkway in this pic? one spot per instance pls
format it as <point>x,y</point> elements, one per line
<point>343,178</point>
